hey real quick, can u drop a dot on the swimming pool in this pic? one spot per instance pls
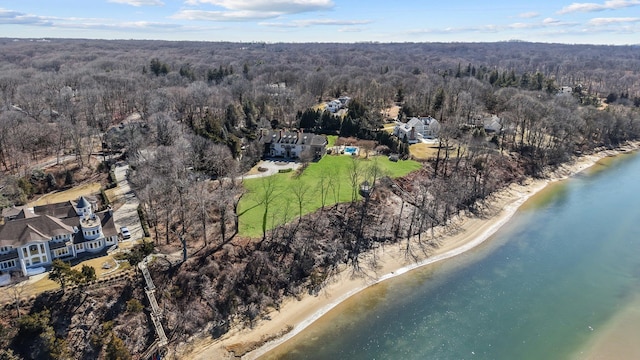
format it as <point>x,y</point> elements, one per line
<point>351,150</point>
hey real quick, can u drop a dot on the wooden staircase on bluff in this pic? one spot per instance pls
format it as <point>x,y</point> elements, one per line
<point>156,313</point>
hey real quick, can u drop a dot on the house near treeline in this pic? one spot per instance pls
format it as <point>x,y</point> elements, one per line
<point>32,238</point>
<point>492,124</point>
<point>293,144</point>
<point>340,103</point>
<point>417,129</point>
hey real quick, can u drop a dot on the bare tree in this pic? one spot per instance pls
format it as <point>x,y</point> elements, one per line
<point>301,191</point>
<point>268,194</point>
<point>202,196</point>
<point>355,174</point>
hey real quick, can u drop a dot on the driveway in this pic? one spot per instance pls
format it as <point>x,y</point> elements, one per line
<point>127,214</point>
<point>272,166</point>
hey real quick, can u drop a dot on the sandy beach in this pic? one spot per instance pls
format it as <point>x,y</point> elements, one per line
<point>297,314</point>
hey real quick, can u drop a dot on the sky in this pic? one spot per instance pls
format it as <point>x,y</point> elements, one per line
<point>614,22</point>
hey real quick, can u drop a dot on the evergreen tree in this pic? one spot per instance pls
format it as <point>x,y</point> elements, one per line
<point>116,349</point>
<point>61,273</point>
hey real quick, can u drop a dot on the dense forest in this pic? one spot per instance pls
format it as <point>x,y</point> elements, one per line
<point>181,112</point>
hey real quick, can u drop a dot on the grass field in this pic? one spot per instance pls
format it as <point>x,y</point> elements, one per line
<point>422,151</point>
<point>44,284</point>
<point>71,194</point>
<point>389,127</point>
<point>333,171</point>
<point>331,140</point>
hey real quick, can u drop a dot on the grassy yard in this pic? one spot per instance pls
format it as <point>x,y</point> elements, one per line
<point>71,194</point>
<point>331,140</point>
<point>332,171</point>
<point>389,127</point>
<point>43,283</point>
<point>422,151</point>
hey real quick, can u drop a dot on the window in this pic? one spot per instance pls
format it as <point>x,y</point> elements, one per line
<point>33,248</point>
<point>8,264</point>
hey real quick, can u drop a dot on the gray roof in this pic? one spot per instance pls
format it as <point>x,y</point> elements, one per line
<point>13,254</point>
<point>49,221</point>
<point>59,210</point>
<point>38,228</point>
<point>82,203</point>
<point>291,137</point>
<point>12,211</point>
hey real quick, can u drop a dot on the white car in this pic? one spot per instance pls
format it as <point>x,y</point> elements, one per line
<point>125,232</point>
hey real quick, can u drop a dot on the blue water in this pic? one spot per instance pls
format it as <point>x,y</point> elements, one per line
<point>541,288</point>
<point>350,150</point>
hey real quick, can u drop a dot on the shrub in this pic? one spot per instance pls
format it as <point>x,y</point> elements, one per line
<point>134,306</point>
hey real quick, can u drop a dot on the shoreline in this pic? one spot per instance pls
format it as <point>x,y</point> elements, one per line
<point>296,315</point>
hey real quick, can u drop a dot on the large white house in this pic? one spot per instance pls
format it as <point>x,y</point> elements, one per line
<point>340,103</point>
<point>416,129</point>
<point>292,144</point>
<point>34,237</point>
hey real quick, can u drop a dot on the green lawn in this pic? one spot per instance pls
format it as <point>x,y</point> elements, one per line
<point>332,171</point>
<point>331,140</point>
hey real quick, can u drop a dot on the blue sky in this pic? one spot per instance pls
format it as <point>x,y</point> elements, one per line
<point>600,22</point>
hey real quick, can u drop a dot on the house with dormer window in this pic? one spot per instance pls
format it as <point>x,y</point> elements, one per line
<point>417,129</point>
<point>33,237</point>
<point>292,144</point>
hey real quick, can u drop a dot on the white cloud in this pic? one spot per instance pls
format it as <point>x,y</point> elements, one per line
<point>224,15</point>
<point>280,6</point>
<point>19,18</point>
<point>249,10</point>
<point>138,3</point>
<point>551,21</point>
<point>522,25</point>
<point>314,22</point>
<point>492,28</point>
<point>351,29</point>
<point>529,15</point>
<point>609,21</point>
<point>591,7</point>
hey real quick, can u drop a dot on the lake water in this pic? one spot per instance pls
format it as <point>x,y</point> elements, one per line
<point>543,287</point>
